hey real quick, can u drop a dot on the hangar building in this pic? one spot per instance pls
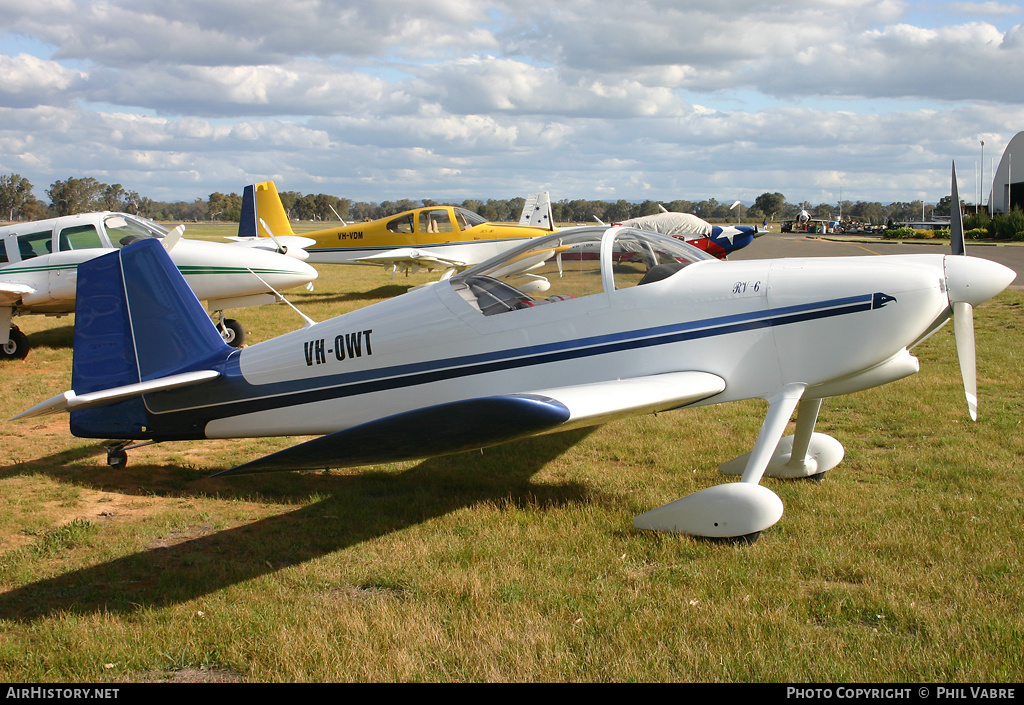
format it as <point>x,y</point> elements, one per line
<point>1008,182</point>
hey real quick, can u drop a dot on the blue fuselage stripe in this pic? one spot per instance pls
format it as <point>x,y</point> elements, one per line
<point>239,395</point>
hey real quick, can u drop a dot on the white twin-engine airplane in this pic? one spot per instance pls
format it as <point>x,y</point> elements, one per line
<point>39,264</point>
<point>545,337</point>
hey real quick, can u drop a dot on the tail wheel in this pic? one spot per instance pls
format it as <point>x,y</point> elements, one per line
<point>233,332</point>
<point>16,347</point>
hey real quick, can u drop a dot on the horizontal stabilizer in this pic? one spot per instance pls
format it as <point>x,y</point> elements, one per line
<point>422,433</point>
<point>69,401</point>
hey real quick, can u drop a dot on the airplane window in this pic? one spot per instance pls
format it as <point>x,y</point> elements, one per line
<point>638,259</point>
<point>35,244</point>
<point>124,230</point>
<point>549,270</point>
<point>435,222</point>
<point>79,237</point>
<point>401,224</point>
<point>567,265</point>
<point>468,219</point>
<point>493,296</point>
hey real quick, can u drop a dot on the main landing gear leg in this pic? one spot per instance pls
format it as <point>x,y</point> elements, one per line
<point>737,511</point>
<point>804,454</point>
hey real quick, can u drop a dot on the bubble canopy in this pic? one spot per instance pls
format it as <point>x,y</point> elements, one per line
<point>573,263</point>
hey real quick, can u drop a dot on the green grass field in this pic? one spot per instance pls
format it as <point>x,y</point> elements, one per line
<point>521,563</point>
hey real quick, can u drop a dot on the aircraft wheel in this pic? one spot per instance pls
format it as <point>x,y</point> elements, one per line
<point>817,477</point>
<point>233,332</point>
<point>117,459</point>
<point>16,347</point>
<point>744,540</point>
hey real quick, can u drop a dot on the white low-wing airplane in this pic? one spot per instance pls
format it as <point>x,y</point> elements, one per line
<point>543,338</point>
<point>717,240</point>
<point>39,263</point>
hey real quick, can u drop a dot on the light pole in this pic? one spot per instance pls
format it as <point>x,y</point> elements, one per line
<point>982,196</point>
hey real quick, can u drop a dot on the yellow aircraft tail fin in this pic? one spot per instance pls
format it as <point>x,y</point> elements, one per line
<point>261,202</point>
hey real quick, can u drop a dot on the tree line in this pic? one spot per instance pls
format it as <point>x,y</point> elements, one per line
<point>78,195</point>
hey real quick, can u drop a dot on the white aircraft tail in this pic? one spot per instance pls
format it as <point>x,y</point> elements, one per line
<point>537,211</point>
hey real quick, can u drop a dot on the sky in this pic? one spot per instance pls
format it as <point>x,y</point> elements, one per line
<point>451,100</point>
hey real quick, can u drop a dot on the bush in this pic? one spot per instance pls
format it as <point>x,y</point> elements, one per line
<point>1009,226</point>
<point>977,221</point>
<point>976,234</point>
<point>900,233</point>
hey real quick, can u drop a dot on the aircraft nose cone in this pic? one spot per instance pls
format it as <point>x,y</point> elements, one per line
<point>974,280</point>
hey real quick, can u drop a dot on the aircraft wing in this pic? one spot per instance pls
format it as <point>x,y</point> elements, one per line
<point>474,423</point>
<point>410,258</point>
<point>12,293</point>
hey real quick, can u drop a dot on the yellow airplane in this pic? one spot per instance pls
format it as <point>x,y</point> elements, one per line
<point>435,237</point>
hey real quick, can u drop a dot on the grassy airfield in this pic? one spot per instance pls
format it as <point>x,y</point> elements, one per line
<point>521,563</point>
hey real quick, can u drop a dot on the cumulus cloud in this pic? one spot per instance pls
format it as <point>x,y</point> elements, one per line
<point>589,98</point>
<point>29,81</point>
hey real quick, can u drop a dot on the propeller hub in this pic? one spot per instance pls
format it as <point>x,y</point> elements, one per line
<point>973,280</point>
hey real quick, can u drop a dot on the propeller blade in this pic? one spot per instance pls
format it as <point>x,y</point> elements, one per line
<point>956,220</point>
<point>174,237</point>
<point>280,248</point>
<point>963,311</point>
<point>963,331</point>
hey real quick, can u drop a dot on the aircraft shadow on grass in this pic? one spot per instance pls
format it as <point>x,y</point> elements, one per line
<point>62,338</point>
<point>388,291</point>
<point>357,508</point>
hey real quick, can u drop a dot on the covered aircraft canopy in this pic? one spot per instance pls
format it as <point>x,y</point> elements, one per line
<point>673,224</point>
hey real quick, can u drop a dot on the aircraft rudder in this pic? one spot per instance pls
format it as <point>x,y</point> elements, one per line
<point>102,358</point>
<point>270,210</point>
<point>104,353</point>
<point>247,223</point>
<point>261,201</point>
<point>136,319</point>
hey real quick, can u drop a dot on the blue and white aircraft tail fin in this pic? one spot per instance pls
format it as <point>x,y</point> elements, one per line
<point>138,329</point>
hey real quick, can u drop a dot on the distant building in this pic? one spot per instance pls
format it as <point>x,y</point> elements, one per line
<point>937,224</point>
<point>1008,182</point>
